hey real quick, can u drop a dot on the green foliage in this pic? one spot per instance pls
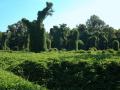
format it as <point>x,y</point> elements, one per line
<point>31,36</point>
<point>16,36</point>
<point>80,44</point>
<point>110,51</point>
<point>58,69</point>
<point>92,41</point>
<point>31,71</point>
<point>115,45</point>
<point>93,49</point>
<point>9,81</point>
<point>48,42</point>
<point>73,40</point>
<point>95,23</point>
<point>103,42</point>
<point>1,40</point>
<point>81,28</point>
<point>61,70</point>
<point>59,36</point>
<point>36,30</point>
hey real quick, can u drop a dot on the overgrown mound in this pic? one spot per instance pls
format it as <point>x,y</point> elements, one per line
<point>9,81</point>
<point>65,75</point>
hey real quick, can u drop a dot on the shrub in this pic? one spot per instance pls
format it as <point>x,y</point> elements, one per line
<point>110,50</point>
<point>9,81</point>
<point>93,49</point>
<point>80,51</point>
<point>31,71</point>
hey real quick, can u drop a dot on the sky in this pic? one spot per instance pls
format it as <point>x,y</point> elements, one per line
<point>70,12</point>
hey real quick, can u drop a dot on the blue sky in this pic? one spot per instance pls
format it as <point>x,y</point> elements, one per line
<point>71,12</point>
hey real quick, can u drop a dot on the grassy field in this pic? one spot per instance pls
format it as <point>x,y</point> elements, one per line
<point>60,70</point>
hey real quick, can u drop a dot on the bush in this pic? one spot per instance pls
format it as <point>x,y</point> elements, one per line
<point>110,51</point>
<point>9,81</point>
<point>68,75</point>
<point>80,51</point>
<point>93,49</point>
<point>31,71</point>
<point>118,52</point>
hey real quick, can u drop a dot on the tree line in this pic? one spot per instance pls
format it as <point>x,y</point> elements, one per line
<point>31,36</point>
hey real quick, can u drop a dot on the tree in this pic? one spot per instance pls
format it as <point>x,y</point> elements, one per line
<point>73,40</point>
<point>110,34</point>
<point>115,45</point>
<point>59,36</point>
<point>16,35</point>
<point>80,44</point>
<point>1,40</point>
<point>37,31</point>
<point>54,34</point>
<point>103,42</point>
<point>81,28</point>
<point>84,36</point>
<point>40,30</point>
<point>92,42</point>
<point>95,23</point>
<point>48,41</point>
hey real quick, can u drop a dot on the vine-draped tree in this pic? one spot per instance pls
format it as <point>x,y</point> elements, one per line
<point>59,36</point>
<point>15,36</point>
<point>103,42</point>
<point>73,40</point>
<point>27,35</point>
<point>37,30</point>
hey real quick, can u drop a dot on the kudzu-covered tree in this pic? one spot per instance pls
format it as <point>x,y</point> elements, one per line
<point>59,36</point>
<point>92,42</point>
<point>115,45</point>
<point>81,28</point>
<point>40,27</point>
<point>73,40</point>
<point>80,44</point>
<point>103,42</point>
<point>48,42</point>
<point>16,36</point>
<point>37,31</point>
<point>4,41</point>
<point>1,45</point>
<point>31,35</point>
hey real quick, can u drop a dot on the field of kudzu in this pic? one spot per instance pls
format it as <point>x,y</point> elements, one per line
<point>60,70</point>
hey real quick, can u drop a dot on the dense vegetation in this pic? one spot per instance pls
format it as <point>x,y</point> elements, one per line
<point>61,70</point>
<point>83,58</point>
<point>31,36</point>
<point>8,81</point>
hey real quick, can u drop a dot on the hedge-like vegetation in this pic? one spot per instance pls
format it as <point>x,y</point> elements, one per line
<point>9,81</point>
<point>61,70</point>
